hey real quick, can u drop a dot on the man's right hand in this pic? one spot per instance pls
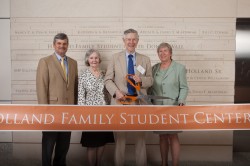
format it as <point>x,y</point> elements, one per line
<point>119,95</point>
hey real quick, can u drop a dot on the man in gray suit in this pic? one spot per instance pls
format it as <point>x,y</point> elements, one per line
<point>117,86</point>
<point>57,83</point>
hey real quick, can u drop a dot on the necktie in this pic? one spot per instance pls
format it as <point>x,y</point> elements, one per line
<point>131,89</point>
<point>63,67</point>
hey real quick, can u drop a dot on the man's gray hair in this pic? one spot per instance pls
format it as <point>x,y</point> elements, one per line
<point>130,31</point>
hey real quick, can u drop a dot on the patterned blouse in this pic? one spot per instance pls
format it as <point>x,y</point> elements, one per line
<point>91,90</point>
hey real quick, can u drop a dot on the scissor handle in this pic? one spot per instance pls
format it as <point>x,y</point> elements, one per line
<point>136,86</point>
<point>128,100</point>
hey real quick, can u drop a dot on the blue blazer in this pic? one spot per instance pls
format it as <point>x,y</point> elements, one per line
<point>174,84</point>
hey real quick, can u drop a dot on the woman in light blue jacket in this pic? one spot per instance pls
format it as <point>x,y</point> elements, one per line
<point>170,81</point>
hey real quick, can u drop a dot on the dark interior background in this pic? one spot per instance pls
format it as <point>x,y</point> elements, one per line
<point>241,138</point>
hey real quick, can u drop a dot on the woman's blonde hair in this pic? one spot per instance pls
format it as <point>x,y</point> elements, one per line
<point>165,45</point>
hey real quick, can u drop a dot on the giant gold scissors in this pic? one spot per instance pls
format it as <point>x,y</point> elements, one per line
<point>140,96</point>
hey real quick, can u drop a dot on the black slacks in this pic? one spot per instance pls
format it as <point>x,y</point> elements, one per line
<point>58,140</point>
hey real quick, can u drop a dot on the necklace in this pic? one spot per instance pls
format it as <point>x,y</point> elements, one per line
<point>165,65</point>
<point>96,72</point>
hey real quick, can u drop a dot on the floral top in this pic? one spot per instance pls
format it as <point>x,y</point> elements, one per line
<point>91,90</point>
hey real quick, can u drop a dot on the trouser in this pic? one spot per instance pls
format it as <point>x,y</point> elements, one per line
<point>61,142</point>
<point>140,148</point>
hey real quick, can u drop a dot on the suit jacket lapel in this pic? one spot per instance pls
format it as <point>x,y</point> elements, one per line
<point>123,63</point>
<point>70,69</point>
<point>71,75</point>
<point>58,67</point>
<point>138,62</point>
<point>170,69</point>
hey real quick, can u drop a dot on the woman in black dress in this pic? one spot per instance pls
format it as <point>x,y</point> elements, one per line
<point>91,91</point>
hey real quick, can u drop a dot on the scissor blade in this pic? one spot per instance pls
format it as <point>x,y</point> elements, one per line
<point>158,97</point>
<point>145,101</point>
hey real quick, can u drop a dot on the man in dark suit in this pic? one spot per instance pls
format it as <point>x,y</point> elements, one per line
<point>57,83</point>
<point>117,86</point>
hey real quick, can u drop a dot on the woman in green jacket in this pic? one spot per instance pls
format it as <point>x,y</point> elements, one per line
<point>170,81</point>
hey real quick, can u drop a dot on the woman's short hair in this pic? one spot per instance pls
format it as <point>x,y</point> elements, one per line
<point>90,52</point>
<point>165,45</point>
